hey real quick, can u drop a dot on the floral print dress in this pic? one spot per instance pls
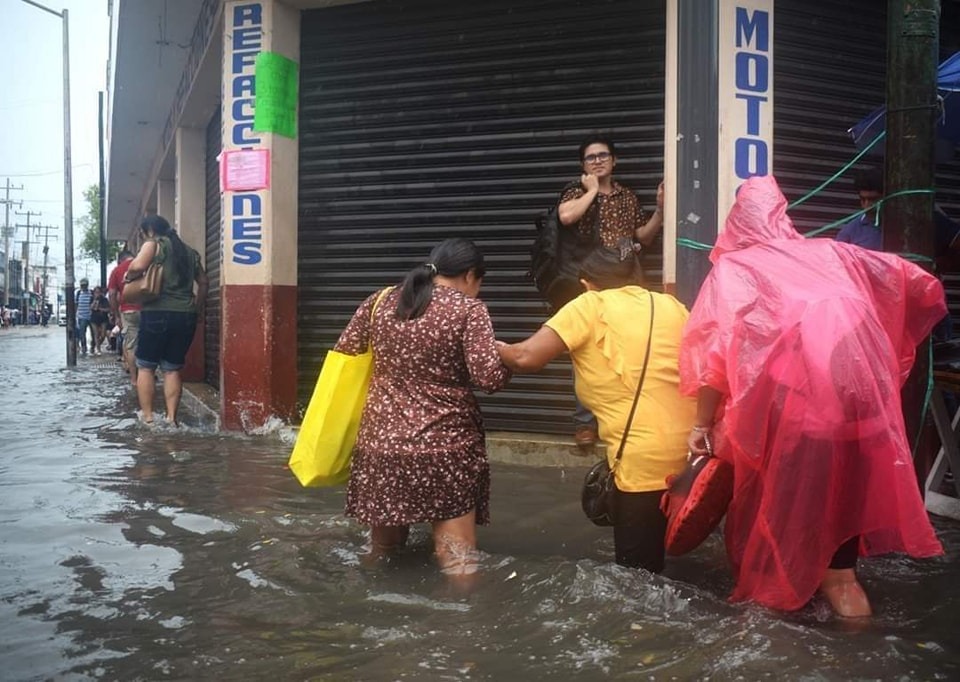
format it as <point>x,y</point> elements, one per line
<point>420,454</point>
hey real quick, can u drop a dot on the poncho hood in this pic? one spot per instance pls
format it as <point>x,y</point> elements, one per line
<point>759,216</point>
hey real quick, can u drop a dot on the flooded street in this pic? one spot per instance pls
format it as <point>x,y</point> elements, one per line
<point>127,554</point>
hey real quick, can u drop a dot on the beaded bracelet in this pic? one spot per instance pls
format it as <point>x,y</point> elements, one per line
<point>702,429</point>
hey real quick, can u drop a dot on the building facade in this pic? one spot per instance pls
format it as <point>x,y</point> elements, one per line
<point>315,151</point>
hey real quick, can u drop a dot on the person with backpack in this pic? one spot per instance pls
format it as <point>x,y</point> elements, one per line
<point>595,211</point>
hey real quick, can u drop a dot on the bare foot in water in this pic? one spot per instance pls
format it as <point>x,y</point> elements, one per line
<point>845,593</point>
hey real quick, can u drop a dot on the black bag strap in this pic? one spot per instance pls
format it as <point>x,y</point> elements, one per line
<point>636,398</point>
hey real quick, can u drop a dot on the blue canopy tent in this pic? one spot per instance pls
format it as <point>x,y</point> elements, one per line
<point>948,126</point>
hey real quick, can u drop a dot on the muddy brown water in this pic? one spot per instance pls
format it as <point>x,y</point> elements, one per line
<point>127,554</point>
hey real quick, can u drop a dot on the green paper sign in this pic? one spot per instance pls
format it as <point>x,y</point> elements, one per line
<point>277,88</point>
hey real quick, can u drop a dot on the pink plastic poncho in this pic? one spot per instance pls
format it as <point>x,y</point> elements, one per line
<point>810,341</point>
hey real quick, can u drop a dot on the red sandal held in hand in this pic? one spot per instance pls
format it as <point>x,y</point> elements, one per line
<point>695,502</point>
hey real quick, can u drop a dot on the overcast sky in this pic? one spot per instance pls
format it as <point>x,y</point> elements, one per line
<point>31,112</point>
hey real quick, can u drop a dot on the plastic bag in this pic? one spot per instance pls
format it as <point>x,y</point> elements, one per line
<point>324,447</point>
<point>321,456</point>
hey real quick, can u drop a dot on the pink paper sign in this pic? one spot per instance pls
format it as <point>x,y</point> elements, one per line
<point>244,170</point>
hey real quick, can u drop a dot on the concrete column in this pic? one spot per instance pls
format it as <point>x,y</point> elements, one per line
<point>166,199</point>
<point>189,219</point>
<point>190,215</point>
<point>259,268</point>
<point>719,123</point>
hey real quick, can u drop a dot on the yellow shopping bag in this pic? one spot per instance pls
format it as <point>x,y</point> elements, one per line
<point>321,455</point>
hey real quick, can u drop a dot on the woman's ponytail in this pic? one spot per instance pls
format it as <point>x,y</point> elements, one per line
<point>416,291</point>
<point>450,258</point>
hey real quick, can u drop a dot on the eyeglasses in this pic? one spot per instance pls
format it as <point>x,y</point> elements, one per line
<point>602,157</point>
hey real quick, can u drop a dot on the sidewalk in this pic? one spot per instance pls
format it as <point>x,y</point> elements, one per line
<point>528,449</point>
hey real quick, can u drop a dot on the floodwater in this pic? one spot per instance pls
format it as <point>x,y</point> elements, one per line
<point>127,554</point>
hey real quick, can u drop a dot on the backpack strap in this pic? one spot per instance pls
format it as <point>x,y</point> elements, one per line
<point>592,213</point>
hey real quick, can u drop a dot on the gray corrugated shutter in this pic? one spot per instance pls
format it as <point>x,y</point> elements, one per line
<point>212,256</point>
<point>830,72</point>
<point>819,94</point>
<point>948,175</point>
<point>422,120</point>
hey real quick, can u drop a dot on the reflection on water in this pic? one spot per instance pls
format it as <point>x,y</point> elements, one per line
<point>127,554</point>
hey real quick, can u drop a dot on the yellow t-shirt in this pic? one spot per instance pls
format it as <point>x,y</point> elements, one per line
<point>606,334</point>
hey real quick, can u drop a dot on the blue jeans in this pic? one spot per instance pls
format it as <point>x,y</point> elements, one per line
<point>82,326</point>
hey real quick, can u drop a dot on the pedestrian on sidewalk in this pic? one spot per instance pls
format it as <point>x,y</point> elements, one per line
<point>169,322</point>
<point>127,314</point>
<point>602,212</point>
<point>84,302</point>
<point>99,315</point>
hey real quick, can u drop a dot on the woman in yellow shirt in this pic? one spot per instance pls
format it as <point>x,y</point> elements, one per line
<point>606,330</point>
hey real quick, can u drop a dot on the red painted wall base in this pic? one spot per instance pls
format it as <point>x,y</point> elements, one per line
<point>195,367</point>
<point>258,355</point>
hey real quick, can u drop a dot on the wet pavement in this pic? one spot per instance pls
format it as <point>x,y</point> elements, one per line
<point>128,554</point>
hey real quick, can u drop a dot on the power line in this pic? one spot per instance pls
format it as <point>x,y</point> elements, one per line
<point>39,174</point>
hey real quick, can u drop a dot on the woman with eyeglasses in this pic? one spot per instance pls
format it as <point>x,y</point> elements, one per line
<point>602,212</point>
<point>601,203</point>
<point>420,455</point>
<point>606,331</point>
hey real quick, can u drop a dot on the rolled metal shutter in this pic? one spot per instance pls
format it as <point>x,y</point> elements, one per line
<point>829,73</point>
<point>212,255</point>
<point>422,120</point>
<point>830,64</point>
<point>948,174</point>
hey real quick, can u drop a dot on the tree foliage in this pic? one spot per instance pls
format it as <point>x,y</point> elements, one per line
<point>90,223</point>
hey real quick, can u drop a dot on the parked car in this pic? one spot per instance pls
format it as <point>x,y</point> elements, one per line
<point>62,320</point>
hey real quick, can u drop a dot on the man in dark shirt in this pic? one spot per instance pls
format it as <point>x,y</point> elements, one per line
<point>864,230</point>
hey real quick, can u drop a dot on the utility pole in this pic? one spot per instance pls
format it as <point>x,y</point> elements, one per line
<point>913,43</point>
<point>25,302</point>
<point>7,233</point>
<point>101,201</point>
<point>46,251</point>
<point>67,184</point>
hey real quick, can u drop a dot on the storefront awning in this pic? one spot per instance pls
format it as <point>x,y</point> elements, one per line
<point>150,46</point>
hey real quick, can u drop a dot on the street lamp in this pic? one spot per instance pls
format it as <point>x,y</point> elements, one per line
<point>67,188</point>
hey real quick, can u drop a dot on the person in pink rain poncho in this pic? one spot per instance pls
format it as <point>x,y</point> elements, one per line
<point>797,349</point>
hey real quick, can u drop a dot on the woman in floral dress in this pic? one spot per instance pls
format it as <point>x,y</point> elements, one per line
<point>420,455</point>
